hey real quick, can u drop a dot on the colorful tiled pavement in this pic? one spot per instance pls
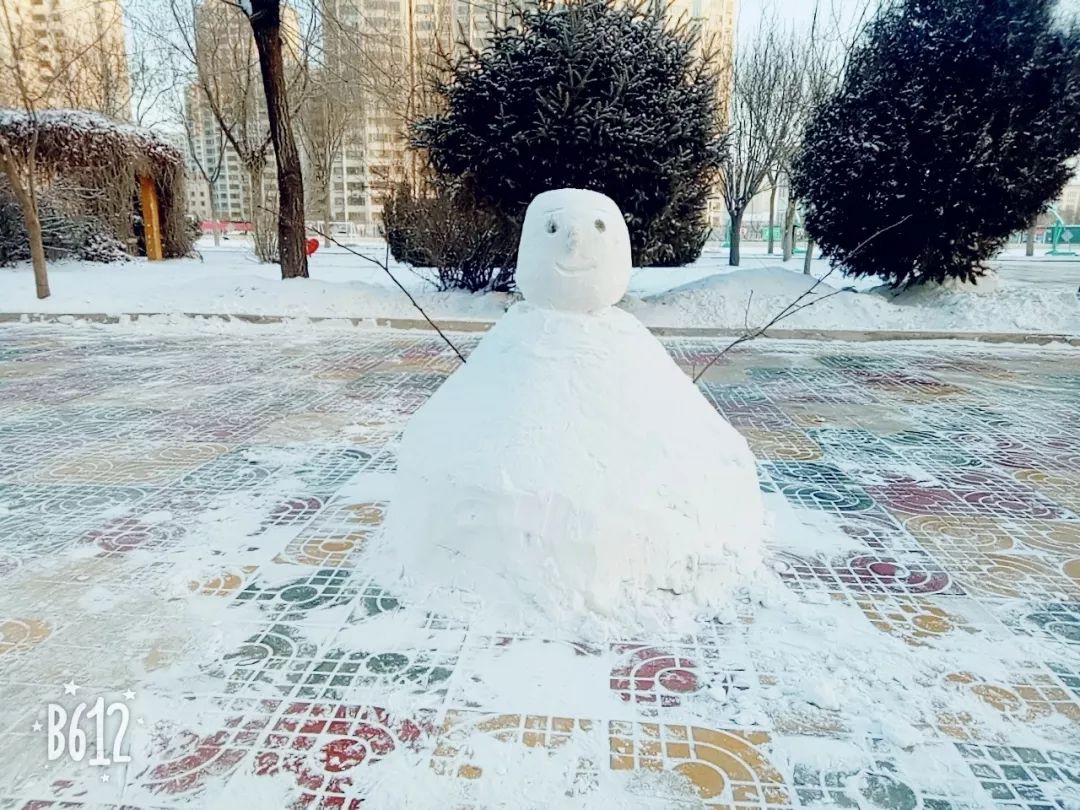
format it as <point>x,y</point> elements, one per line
<point>130,462</point>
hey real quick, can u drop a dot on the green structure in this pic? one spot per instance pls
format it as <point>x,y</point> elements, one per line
<point>1060,232</point>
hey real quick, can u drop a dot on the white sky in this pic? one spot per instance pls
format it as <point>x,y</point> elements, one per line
<point>794,12</point>
<point>798,12</point>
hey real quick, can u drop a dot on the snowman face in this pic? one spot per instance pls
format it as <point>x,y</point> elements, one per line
<point>574,253</point>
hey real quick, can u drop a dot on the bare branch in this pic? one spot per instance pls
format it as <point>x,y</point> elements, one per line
<point>385,265</point>
<point>798,304</point>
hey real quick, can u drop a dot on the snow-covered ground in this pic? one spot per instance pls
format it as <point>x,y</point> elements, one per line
<point>1030,295</point>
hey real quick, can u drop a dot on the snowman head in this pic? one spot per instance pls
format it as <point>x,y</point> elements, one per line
<point>574,253</point>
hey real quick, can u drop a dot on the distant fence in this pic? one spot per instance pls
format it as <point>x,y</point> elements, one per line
<point>1059,235</point>
<point>755,232</point>
<point>1062,235</point>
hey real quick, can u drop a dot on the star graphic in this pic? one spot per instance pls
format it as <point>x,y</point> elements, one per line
<point>37,725</point>
<point>70,688</point>
<point>104,777</point>
<point>129,695</point>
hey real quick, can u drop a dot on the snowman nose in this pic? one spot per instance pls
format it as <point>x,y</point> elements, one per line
<point>572,238</point>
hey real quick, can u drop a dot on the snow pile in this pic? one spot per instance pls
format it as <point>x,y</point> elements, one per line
<point>1031,296</point>
<point>570,466</point>
<point>988,283</point>
<point>989,306</point>
<point>751,298</point>
<point>341,286</point>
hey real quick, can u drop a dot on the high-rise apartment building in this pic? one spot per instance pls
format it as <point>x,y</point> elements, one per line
<point>230,82</point>
<point>226,192</point>
<point>65,53</point>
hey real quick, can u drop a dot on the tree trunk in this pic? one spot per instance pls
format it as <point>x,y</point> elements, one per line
<point>260,242</point>
<point>789,229</point>
<point>809,256</point>
<point>772,219</point>
<point>736,237</point>
<point>37,248</point>
<point>214,227</point>
<point>328,209</point>
<point>1030,241</point>
<point>28,203</point>
<point>266,26</point>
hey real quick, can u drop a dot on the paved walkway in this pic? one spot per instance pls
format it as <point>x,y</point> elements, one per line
<point>181,534</point>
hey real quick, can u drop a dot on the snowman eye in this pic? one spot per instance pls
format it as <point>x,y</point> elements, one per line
<point>600,226</point>
<point>551,226</point>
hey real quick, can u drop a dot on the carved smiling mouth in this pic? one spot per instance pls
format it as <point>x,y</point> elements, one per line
<point>573,269</point>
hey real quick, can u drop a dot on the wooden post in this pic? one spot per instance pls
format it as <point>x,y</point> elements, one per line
<point>151,219</point>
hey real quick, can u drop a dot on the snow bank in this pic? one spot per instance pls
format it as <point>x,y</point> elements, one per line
<point>230,283</point>
<point>990,306</point>
<point>1036,296</point>
<point>752,297</point>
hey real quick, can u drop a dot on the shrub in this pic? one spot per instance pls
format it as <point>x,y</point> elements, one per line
<point>64,236</point>
<point>588,94</point>
<point>951,131</point>
<point>466,245</point>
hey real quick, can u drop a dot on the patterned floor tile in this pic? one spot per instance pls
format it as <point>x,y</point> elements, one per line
<point>1025,778</point>
<point>953,471</point>
<point>1028,694</point>
<point>727,768</point>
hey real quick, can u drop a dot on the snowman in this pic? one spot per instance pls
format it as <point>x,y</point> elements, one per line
<point>570,467</point>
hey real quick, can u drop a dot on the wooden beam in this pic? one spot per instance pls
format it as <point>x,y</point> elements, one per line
<point>151,219</point>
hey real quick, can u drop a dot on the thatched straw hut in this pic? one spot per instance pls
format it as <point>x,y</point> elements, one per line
<point>88,165</point>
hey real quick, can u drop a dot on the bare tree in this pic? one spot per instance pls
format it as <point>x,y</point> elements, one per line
<point>245,73</point>
<point>208,163</point>
<point>216,56</point>
<point>773,178</point>
<point>822,56</point>
<point>766,85</point>
<point>29,86</point>
<point>152,83</point>
<point>325,116</point>
<point>391,77</point>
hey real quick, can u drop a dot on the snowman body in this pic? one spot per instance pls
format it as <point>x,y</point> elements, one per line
<point>570,465</point>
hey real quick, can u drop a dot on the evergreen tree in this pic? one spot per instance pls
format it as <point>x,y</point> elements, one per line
<point>592,95</point>
<point>951,131</point>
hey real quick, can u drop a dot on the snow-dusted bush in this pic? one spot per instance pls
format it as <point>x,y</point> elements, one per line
<point>589,94</point>
<point>951,131</point>
<point>465,245</point>
<point>83,238</point>
<point>13,244</point>
<point>64,236</point>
